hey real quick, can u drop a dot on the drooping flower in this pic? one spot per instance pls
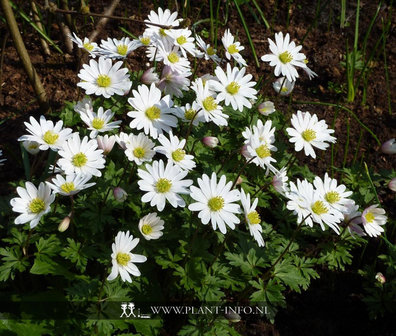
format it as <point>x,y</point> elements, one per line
<point>252,217</point>
<point>151,226</point>
<point>106,143</point>
<point>104,79</point>
<point>373,218</point>
<point>122,258</point>
<point>266,108</point>
<point>283,86</point>
<point>279,181</point>
<point>308,132</point>
<point>32,147</point>
<point>216,202</point>
<point>32,203</point>
<point>285,57</point>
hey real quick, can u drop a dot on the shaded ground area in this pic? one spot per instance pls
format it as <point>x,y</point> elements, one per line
<point>324,43</point>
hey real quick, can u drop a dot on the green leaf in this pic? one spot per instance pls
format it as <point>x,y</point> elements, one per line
<point>13,261</point>
<point>76,254</point>
<point>44,264</point>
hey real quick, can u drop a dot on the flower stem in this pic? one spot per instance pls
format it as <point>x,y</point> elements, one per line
<point>240,172</point>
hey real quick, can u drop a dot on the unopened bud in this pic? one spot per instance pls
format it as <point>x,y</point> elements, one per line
<point>149,77</point>
<point>389,147</point>
<point>239,180</point>
<point>106,143</point>
<point>392,184</point>
<point>120,194</point>
<point>266,108</point>
<point>380,278</point>
<point>232,317</point>
<point>211,142</point>
<point>283,86</point>
<point>245,152</point>
<point>64,224</point>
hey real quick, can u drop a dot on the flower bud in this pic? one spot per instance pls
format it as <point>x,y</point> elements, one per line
<point>392,184</point>
<point>64,224</point>
<point>389,147</point>
<point>266,108</point>
<point>283,86</point>
<point>120,194</point>
<point>239,180</point>
<point>31,147</point>
<point>210,142</point>
<point>149,77</point>
<point>245,152</point>
<point>232,316</point>
<point>106,143</point>
<point>380,278</point>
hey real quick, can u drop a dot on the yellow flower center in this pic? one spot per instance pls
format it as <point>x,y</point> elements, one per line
<point>189,114</point>
<point>88,46</point>
<point>369,217</point>
<point>145,40</point>
<point>254,217</point>
<point>233,88</point>
<point>153,112</point>
<point>309,135</point>
<point>209,104</point>
<point>122,49</point>
<point>147,229</point>
<point>68,187</point>
<point>103,81</point>
<point>216,203</point>
<point>139,152</point>
<point>232,49</point>
<point>284,89</point>
<point>162,32</point>
<point>210,51</point>
<point>285,57</point>
<point>50,137</point>
<point>332,197</point>
<point>97,123</point>
<point>319,208</point>
<point>263,151</point>
<point>173,57</point>
<point>33,146</point>
<point>163,185</point>
<point>181,40</point>
<point>178,155</point>
<point>79,160</point>
<point>36,205</point>
<point>123,258</point>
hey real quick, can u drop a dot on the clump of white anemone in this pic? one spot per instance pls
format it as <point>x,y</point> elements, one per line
<point>32,203</point>
<point>308,132</point>
<point>71,184</point>
<point>151,113</point>
<point>99,122</point>
<point>122,258</point>
<point>104,79</point>
<point>216,202</point>
<point>234,87</point>
<point>151,226</point>
<point>252,217</point>
<point>81,156</point>
<point>285,57</point>
<point>46,134</point>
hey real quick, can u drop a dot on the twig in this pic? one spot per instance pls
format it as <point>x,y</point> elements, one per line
<point>37,21</point>
<point>103,21</point>
<point>24,56</point>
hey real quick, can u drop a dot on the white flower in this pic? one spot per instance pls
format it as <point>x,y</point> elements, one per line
<point>215,202</point>
<point>163,183</point>
<point>99,122</point>
<point>234,87</point>
<point>283,86</point>
<point>373,217</point>
<point>182,38</point>
<point>308,132</point>
<point>252,217</point>
<point>279,181</point>
<point>91,47</point>
<point>122,139</point>
<point>211,110</point>
<point>171,57</point>
<point>335,196</point>
<point>353,218</point>
<point>122,258</point>
<point>2,160</point>
<point>389,147</point>
<point>106,143</point>
<point>163,17</point>
<point>208,51</point>
<point>266,108</point>
<point>151,226</point>
<point>84,106</point>
<point>143,41</point>
<point>32,147</point>
<point>190,113</point>
<point>81,156</point>
<point>46,133</point>
<point>173,149</point>
<point>173,82</point>
<point>139,148</point>
<point>70,185</point>
<point>120,195</point>
<point>260,152</point>
<point>114,48</point>
<point>32,203</point>
<point>149,77</point>
<point>265,132</point>
<point>307,203</point>
<point>104,79</point>
<point>285,57</point>
<point>232,48</point>
<point>151,113</point>
<point>210,141</point>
